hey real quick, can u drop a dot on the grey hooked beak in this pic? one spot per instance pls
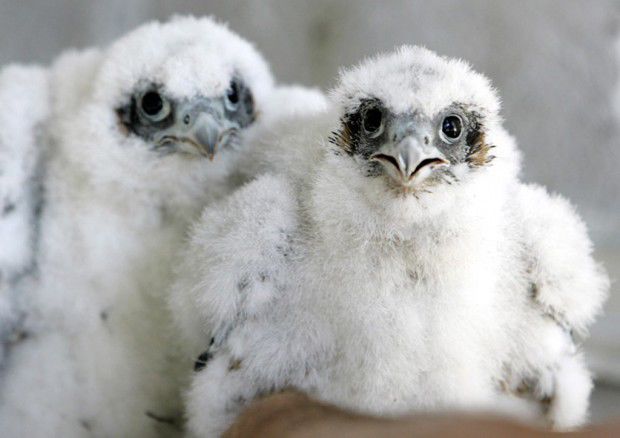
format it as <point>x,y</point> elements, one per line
<point>206,135</point>
<point>409,161</point>
<point>200,128</point>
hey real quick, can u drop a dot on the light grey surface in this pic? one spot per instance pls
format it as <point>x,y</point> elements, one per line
<point>555,63</point>
<point>605,403</point>
<point>603,348</point>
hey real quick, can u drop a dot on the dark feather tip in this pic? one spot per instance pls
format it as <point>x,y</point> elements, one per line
<point>202,360</point>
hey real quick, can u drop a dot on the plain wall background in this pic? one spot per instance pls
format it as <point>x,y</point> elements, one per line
<point>555,62</point>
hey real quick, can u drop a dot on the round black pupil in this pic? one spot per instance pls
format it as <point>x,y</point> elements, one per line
<point>152,103</point>
<point>451,127</point>
<point>372,120</point>
<point>233,93</point>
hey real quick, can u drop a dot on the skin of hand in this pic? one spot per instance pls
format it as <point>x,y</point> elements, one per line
<point>291,414</point>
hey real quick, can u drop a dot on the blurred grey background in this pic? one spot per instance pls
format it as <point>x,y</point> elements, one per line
<point>555,62</point>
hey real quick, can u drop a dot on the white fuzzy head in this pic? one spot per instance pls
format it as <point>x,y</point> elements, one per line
<point>417,134</point>
<point>165,108</point>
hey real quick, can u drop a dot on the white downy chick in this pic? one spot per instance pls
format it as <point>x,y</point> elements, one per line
<point>391,261</point>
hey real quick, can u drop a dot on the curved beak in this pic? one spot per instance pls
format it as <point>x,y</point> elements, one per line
<point>200,128</point>
<point>409,161</point>
<point>206,135</point>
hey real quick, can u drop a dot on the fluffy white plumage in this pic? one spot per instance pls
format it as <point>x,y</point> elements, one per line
<point>23,94</point>
<point>457,287</point>
<point>96,357</point>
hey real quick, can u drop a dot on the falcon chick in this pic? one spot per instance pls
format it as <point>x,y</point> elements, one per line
<point>392,262</point>
<point>142,135</point>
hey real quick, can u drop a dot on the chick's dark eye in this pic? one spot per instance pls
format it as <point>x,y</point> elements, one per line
<point>451,127</point>
<point>152,103</point>
<point>233,93</point>
<point>373,121</point>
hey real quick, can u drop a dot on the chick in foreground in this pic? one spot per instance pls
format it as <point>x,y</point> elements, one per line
<point>390,260</point>
<point>141,136</point>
